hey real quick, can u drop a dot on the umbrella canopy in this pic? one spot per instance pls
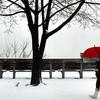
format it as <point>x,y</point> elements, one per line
<point>92,53</point>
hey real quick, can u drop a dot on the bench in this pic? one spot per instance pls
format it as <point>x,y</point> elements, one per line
<point>48,65</point>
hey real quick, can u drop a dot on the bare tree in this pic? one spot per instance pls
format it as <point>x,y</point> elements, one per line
<point>16,50</point>
<point>24,52</point>
<point>6,52</point>
<point>40,13</point>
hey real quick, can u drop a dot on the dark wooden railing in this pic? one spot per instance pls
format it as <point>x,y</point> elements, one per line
<point>48,65</point>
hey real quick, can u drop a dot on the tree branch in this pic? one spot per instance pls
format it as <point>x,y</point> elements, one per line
<point>92,3</point>
<point>16,4</point>
<point>33,11</point>
<point>64,8</point>
<point>43,8</point>
<point>12,13</point>
<point>9,5</point>
<point>48,14</point>
<point>67,21</point>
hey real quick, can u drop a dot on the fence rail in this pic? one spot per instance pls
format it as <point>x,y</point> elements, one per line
<point>48,65</point>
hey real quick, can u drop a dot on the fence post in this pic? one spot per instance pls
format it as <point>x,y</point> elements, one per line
<point>1,71</point>
<point>81,69</point>
<point>14,72</point>
<point>63,70</point>
<point>81,66</point>
<point>50,72</point>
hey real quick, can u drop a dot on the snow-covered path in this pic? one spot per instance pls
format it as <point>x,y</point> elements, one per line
<point>55,89</point>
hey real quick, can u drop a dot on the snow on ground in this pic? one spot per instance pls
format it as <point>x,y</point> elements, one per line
<point>70,88</point>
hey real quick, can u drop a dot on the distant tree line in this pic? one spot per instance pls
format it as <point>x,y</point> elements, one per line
<point>16,50</point>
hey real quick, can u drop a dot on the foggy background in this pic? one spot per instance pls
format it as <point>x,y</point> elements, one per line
<point>69,42</point>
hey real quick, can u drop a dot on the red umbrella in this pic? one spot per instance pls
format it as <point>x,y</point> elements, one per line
<point>93,52</point>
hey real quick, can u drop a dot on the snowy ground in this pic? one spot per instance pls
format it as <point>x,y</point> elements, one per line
<point>70,88</point>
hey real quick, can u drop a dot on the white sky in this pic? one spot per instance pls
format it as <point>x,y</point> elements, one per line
<point>67,43</point>
<point>70,42</point>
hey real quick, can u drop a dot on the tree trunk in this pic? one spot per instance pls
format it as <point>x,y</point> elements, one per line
<point>37,61</point>
<point>36,71</point>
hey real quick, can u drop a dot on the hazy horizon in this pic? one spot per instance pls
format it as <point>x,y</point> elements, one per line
<point>67,43</point>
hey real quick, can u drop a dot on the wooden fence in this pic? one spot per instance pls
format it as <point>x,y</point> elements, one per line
<point>48,65</point>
